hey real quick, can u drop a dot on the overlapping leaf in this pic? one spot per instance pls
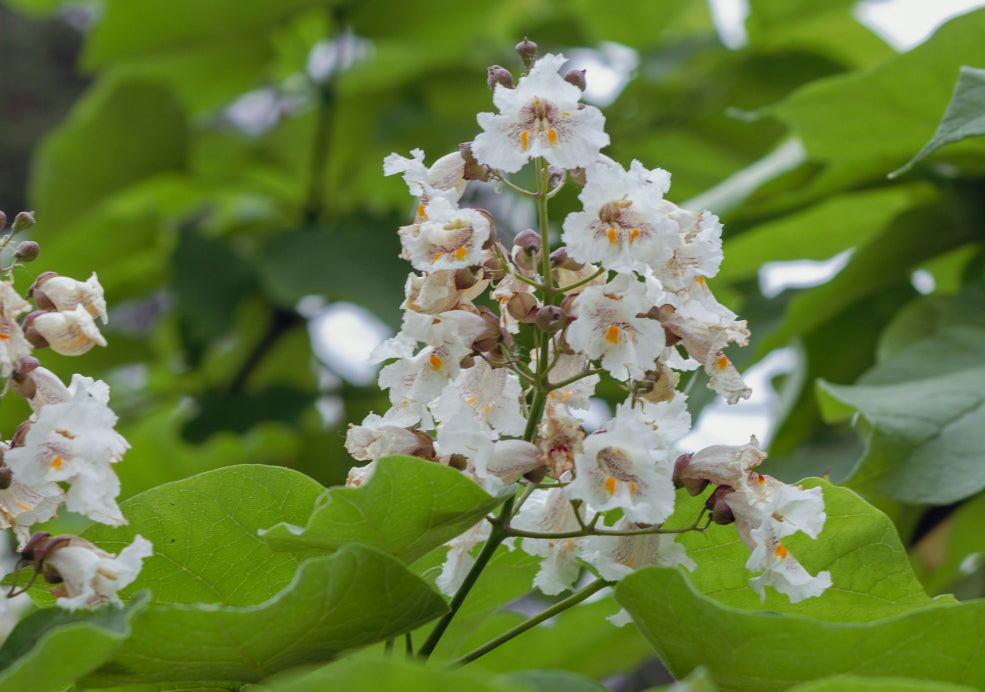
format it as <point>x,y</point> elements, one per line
<point>335,603</point>
<point>923,410</point>
<point>409,507</point>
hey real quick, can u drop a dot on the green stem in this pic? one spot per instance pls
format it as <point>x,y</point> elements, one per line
<point>572,600</point>
<point>496,536</point>
<point>576,284</point>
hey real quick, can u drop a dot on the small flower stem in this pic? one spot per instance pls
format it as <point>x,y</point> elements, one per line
<point>590,530</point>
<point>571,380</point>
<point>572,600</point>
<point>496,536</point>
<point>516,188</point>
<point>409,645</point>
<point>545,239</point>
<point>576,284</point>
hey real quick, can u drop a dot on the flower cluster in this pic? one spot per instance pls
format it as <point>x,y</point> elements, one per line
<point>500,346</point>
<point>63,454</point>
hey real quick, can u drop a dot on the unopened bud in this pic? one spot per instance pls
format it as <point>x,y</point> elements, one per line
<point>426,448</point>
<point>22,222</point>
<point>465,278</point>
<point>499,75</point>
<point>526,249</point>
<point>527,50</point>
<point>721,513</point>
<point>523,306</point>
<point>6,477</point>
<point>560,259</point>
<point>577,176</point>
<point>27,251</point>
<point>694,486</point>
<point>552,319</point>
<point>494,266</point>
<point>459,462</point>
<point>555,176</point>
<point>31,333</point>
<point>576,77</point>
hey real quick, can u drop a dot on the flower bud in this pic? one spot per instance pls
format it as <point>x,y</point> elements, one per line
<point>523,307</point>
<point>51,291</point>
<point>555,176</point>
<point>721,513</point>
<point>6,477</point>
<point>465,278</point>
<point>560,259</point>
<point>694,486</point>
<point>577,176</point>
<point>552,319</point>
<point>27,251</point>
<point>527,50</point>
<point>576,77</point>
<point>32,335</point>
<point>526,249</point>
<point>499,75</point>
<point>22,222</point>
<point>69,333</point>
<point>426,448</point>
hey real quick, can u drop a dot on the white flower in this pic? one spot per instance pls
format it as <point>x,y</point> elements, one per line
<point>13,345</point>
<point>91,576</point>
<point>460,560</point>
<point>608,326</point>
<point>445,178</point>
<point>437,291</point>
<point>69,333</point>
<point>765,511</point>
<point>700,252</point>
<point>540,117</point>
<point>549,511</point>
<point>616,556</point>
<point>52,291</point>
<point>447,238</point>
<point>376,437</point>
<point>360,475</point>
<point>493,395</point>
<point>560,439</point>
<point>568,365</point>
<point>74,441</point>
<point>623,466</point>
<point>705,328</point>
<point>23,506</point>
<point>626,224</point>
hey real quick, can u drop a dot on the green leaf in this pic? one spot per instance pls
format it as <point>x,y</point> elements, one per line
<point>857,683</point>
<point>377,675</point>
<point>923,404</point>
<point>746,650</point>
<point>204,532</point>
<point>870,570</point>
<point>886,259</point>
<point>118,134</point>
<point>130,28</point>
<point>885,113</point>
<point>335,603</point>
<point>579,640</point>
<point>821,231</point>
<point>964,117</point>
<point>51,648</point>
<point>409,507</point>
<point>552,680</point>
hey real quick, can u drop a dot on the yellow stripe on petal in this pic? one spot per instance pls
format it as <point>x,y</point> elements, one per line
<point>612,335</point>
<point>610,485</point>
<point>56,463</point>
<point>552,136</point>
<point>460,253</point>
<point>524,140</point>
<point>613,237</point>
<point>722,363</point>
<point>780,552</point>
<point>435,361</point>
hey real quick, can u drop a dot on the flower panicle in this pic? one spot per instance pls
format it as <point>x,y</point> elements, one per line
<point>503,344</point>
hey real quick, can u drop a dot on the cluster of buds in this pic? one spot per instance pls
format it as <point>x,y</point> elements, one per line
<point>63,454</point>
<point>492,392</point>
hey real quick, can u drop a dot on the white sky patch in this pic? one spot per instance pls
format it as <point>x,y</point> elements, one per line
<point>923,281</point>
<point>775,277</point>
<point>729,17</point>
<point>608,70</point>
<point>342,337</point>
<point>904,24</point>
<point>722,424</point>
